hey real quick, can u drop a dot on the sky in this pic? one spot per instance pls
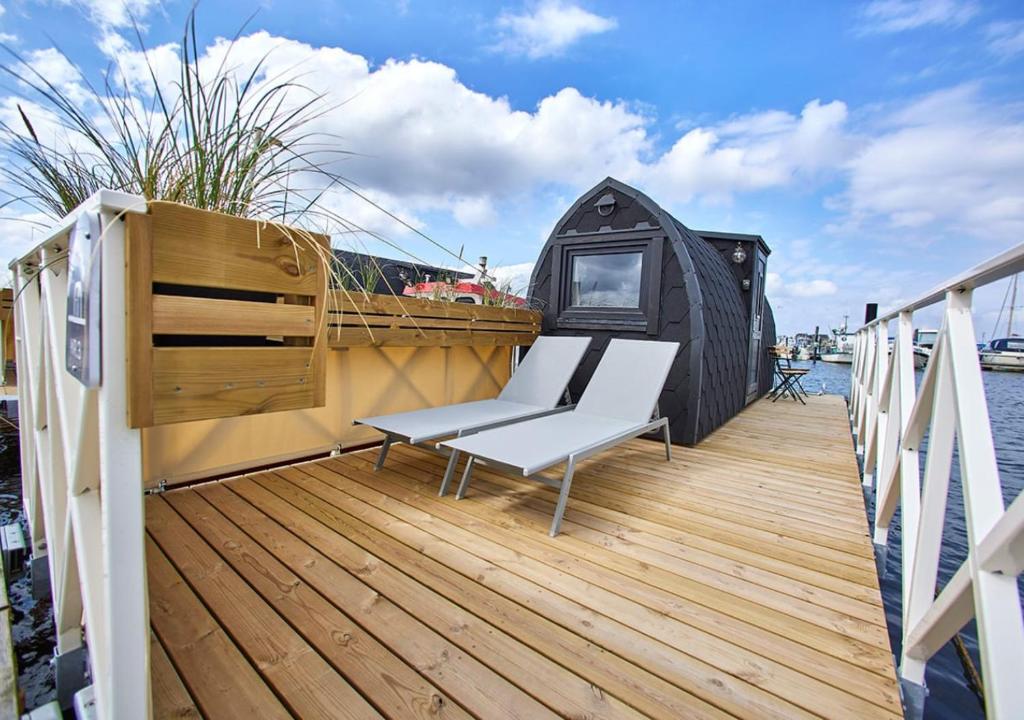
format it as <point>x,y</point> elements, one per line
<point>877,146</point>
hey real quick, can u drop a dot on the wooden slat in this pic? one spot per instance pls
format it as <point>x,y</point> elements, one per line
<point>674,590</point>
<point>199,383</point>
<point>355,302</point>
<point>170,697</point>
<point>395,322</point>
<point>384,337</point>
<point>300,676</point>
<point>394,686</point>
<point>689,657</point>
<point>209,249</point>
<point>433,582</point>
<point>474,685</point>
<point>139,318</point>
<point>179,315</point>
<point>661,591</point>
<point>219,677</point>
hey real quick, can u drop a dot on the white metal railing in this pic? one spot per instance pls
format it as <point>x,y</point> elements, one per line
<point>82,466</point>
<point>890,417</point>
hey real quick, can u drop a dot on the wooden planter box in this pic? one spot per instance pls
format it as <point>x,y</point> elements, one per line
<point>229,317</point>
<point>197,351</point>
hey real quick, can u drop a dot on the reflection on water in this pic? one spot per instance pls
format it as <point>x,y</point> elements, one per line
<point>32,621</point>
<point>949,696</point>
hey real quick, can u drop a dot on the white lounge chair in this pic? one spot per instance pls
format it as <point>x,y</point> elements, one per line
<point>620,402</point>
<point>533,391</point>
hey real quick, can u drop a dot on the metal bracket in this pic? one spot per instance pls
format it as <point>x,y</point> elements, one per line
<point>913,696</point>
<point>881,555</point>
<point>69,672</point>
<point>85,703</point>
<point>39,567</point>
<point>160,489</point>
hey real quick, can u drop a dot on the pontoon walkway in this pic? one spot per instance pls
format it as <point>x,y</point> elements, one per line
<point>738,580</point>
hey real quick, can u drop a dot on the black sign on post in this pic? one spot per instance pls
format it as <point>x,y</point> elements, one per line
<point>82,351</point>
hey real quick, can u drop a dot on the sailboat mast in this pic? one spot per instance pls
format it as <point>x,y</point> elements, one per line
<point>1013,303</point>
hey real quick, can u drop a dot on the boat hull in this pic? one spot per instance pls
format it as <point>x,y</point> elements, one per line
<point>1003,361</point>
<point>840,357</point>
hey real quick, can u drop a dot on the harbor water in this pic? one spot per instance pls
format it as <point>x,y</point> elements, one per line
<point>950,695</point>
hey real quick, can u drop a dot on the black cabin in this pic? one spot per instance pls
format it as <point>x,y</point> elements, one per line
<point>617,265</point>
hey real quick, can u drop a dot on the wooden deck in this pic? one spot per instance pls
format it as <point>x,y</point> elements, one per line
<point>736,581</point>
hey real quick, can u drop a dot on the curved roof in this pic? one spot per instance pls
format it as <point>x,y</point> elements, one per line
<point>714,309</point>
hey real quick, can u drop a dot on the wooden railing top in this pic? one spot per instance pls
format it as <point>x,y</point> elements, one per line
<point>358,320</point>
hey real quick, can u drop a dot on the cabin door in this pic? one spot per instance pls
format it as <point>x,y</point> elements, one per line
<point>756,316</point>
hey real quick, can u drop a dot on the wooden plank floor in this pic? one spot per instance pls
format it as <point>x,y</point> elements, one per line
<point>737,580</point>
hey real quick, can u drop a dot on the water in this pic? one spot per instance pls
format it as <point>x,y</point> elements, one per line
<point>950,696</point>
<point>32,621</point>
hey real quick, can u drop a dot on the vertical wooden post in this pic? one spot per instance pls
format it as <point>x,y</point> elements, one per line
<point>123,515</point>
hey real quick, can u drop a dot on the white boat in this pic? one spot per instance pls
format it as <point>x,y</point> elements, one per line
<point>842,347</point>
<point>1006,353</point>
<point>1003,354</point>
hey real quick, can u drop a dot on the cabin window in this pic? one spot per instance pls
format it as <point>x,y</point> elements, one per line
<point>609,284</point>
<point>606,281</point>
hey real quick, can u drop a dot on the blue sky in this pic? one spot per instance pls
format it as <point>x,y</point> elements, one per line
<point>878,146</point>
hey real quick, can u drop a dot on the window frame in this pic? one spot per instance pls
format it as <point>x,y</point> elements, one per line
<point>640,319</point>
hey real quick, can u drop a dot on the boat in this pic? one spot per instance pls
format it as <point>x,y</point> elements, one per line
<point>479,291</point>
<point>842,346</point>
<point>924,342</point>
<point>1005,353</point>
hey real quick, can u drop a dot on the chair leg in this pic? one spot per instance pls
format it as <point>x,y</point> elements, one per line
<point>449,473</point>
<point>563,497</point>
<point>668,442</point>
<point>383,453</point>
<point>461,492</point>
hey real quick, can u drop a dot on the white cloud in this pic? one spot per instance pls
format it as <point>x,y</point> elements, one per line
<point>753,152</point>
<point>135,67</point>
<point>516,276</point>
<point>1006,38</point>
<point>776,287</point>
<point>54,67</point>
<point>114,13</point>
<point>548,29</point>
<point>474,211</point>
<point>892,16</point>
<point>951,162</point>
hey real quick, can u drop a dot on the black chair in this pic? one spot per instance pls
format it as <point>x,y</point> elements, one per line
<point>787,379</point>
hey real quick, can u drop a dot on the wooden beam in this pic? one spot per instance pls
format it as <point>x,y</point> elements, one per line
<point>411,337</point>
<point>179,315</point>
<point>202,383</point>
<point>354,301</point>
<point>209,249</point>
<point>138,243</point>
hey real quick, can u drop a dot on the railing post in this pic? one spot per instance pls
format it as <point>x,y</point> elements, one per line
<point>898,469</point>
<point>996,599</point>
<point>124,562</point>
<point>919,577</point>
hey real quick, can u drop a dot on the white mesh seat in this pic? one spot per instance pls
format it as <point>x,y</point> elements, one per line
<point>619,403</point>
<point>533,391</point>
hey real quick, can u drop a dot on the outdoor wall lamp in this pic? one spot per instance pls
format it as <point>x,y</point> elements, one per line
<point>739,254</point>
